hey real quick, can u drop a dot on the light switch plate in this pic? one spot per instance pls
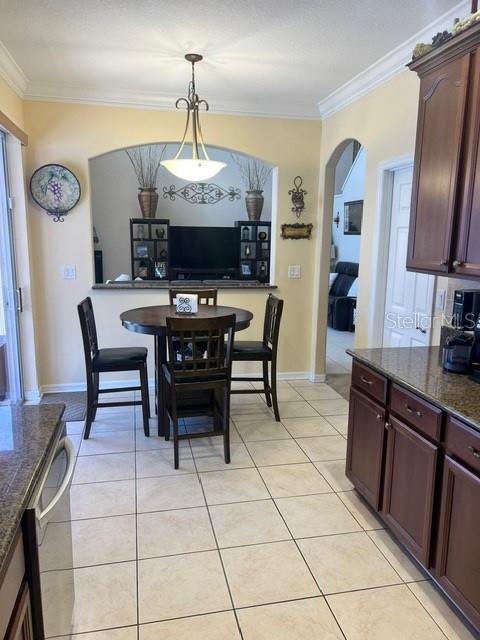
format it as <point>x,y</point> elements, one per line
<point>69,272</point>
<point>294,271</point>
<point>440,302</point>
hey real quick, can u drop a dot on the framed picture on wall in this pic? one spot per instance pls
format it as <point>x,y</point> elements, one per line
<point>352,219</point>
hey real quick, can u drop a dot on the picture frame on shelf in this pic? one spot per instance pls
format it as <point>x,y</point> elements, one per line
<point>246,270</point>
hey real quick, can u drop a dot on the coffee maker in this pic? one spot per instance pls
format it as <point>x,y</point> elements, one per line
<point>475,353</point>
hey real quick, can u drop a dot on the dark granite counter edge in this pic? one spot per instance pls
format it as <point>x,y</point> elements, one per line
<point>166,285</point>
<point>15,514</point>
<point>395,378</point>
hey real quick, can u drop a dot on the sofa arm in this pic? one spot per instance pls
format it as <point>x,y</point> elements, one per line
<point>342,313</point>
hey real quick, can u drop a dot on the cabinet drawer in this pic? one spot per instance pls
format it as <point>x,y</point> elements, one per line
<point>422,415</point>
<point>463,443</point>
<point>369,381</point>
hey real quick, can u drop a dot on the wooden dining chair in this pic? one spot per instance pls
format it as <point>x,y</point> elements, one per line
<point>197,376</point>
<point>263,351</point>
<point>115,359</point>
<point>205,296</point>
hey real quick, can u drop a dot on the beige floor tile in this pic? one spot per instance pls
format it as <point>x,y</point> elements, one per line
<point>324,448</point>
<point>101,499</point>
<point>388,613</point>
<point>309,427</point>
<point>118,419</point>
<point>249,409</point>
<point>288,394</point>
<point>334,474</point>
<point>309,619</point>
<point>144,443</point>
<point>75,428</point>
<point>245,398</point>
<point>319,392</point>
<point>95,541</point>
<point>267,573</point>
<point>398,558</point>
<point>304,382</point>
<point>168,492</point>
<point>126,633</point>
<point>248,523</point>
<point>340,423</point>
<point>365,516</point>
<point>262,413</point>
<point>178,586</point>
<point>104,467</point>
<point>237,485</point>
<point>276,452</point>
<point>347,562</point>
<point>165,533</point>
<point>159,462</point>
<point>318,515</point>
<point>437,606</point>
<point>240,384</point>
<point>281,384</point>
<point>108,442</point>
<point>105,596</point>
<point>294,480</point>
<point>211,457</point>
<point>330,407</point>
<point>264,430</point>
<point>301,409</point>
<point>213,626</point>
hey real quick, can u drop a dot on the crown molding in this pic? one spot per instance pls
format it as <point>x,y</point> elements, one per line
<point>76,94</point>
<point>388,66</point>
<point>11,72</point>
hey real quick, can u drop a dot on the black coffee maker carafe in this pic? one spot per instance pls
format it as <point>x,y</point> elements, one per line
<point>475,353</point>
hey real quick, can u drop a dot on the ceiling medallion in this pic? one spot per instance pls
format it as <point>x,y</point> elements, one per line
<point>199,167</point>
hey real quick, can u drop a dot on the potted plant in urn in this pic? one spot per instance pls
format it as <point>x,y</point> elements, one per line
<point>146,163</point>
<point>254,175</point>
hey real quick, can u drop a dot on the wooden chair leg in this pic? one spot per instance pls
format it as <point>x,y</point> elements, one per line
<point>266,384</point>
<point>175,434</point>
<point>96,386</point>
<point>226,426</point>
<point>90,415</point>
<point>273,386</point>
<point>167,394</point>
<point>145,407</point>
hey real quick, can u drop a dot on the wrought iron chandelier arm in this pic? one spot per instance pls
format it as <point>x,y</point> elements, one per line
<point>182,144</point>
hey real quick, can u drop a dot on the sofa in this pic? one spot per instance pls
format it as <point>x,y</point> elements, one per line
<point>341,302</point>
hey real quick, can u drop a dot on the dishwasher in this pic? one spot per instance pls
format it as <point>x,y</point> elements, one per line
<point>48,536</point>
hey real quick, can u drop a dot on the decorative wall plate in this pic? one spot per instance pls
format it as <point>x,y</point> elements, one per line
<point>56,189</point>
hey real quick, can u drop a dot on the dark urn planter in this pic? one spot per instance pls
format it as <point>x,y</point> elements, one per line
<point>148,199</point>
<point>254,201</point>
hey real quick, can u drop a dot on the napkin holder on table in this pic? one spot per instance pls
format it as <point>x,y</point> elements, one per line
<point>186,302</point>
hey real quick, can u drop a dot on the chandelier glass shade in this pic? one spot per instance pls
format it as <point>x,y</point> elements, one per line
<point>199,167</point>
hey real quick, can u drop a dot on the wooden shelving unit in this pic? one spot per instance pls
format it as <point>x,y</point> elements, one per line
<point>150,248</point>
<point>255,243</point>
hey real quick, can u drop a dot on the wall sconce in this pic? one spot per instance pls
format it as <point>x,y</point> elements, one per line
<point>337,219</point>
<point>297,194</point>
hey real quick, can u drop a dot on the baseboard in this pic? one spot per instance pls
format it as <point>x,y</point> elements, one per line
<point>32,395</point>
<point>81,386</point>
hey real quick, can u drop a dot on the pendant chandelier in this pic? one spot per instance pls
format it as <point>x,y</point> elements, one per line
<point>199,167</point>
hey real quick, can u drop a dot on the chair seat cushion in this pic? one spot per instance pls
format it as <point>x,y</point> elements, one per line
<point>250,350</point>
<point>119,357</point>
<point>192,378</point>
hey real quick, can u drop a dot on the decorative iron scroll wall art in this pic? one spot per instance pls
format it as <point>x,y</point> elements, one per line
<point>202,193</point>
<point>297,194</point>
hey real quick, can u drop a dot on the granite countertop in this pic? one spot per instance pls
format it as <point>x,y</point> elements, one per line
<point>27,435</point>
<point>420,370</point>
<point>188,284</point>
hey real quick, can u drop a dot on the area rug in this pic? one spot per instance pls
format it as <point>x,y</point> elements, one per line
<point>75,404</point>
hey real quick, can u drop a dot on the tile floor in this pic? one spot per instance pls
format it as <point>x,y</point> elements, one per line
<point>274,546</point>
<point>337,360</point>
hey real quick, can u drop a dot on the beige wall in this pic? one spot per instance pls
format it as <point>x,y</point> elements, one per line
<point>11,104</point>
<point>384,121</point>
<point>71,134</point>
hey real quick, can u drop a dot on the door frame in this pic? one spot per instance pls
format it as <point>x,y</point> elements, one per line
<point>386,176</point>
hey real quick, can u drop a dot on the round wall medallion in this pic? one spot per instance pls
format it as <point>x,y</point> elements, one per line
<point>56,189</point>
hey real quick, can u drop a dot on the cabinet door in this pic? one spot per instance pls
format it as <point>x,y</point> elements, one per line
<point>458,556</point>
<point>467,247</point>
<point>366,436</point>
<point>436,172</point>
<point>20,627</point>
<point>410,473</point>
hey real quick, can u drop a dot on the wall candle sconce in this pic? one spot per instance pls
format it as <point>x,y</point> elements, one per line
<point>297,194</point>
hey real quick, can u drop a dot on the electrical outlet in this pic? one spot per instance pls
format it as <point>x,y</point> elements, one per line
<point>440,302</point>
<point>69,272</point>
<point>294,271</point>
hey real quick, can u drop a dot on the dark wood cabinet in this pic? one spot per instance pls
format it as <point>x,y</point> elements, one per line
<point>366,437</point>
<point>445,211</point>
<point>21,627</point>
<point>458,557</point>
<point>411,463</point>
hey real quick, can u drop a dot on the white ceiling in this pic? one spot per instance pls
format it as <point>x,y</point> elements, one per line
<point>276,57</point>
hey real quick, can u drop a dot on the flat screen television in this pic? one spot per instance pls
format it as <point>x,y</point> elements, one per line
<point>205,247</point>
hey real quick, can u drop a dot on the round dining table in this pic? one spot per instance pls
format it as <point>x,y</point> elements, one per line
<point>153,321</point>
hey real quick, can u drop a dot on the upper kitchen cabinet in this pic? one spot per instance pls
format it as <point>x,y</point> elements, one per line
<point>445,212</point>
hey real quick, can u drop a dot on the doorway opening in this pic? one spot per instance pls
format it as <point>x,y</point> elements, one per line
<point>11,390</point>
<point>346,229</point>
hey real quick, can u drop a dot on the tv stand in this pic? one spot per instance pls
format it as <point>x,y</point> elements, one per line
<point>203,274</point>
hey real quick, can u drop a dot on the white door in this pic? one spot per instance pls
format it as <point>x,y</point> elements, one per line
<point>409,296</point>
